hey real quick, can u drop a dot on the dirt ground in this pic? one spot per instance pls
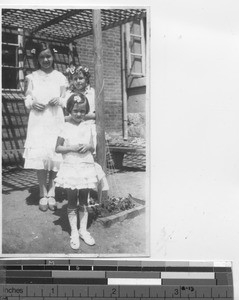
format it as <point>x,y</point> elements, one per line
<point>27,230</point>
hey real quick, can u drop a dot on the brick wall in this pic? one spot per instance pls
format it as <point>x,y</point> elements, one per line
<point>111,40</point>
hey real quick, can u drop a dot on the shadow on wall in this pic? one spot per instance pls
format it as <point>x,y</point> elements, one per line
<point>14,126</point>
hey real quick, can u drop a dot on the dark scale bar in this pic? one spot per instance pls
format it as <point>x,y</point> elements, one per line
<point>28,274</point>
<point>154,269</point>
<point>57,268</point>
<point>105,268</point>
<point>33,267</point>
<point>130,268</point>
<point>222,269</point>
<point>35,262</point>
<point>189,282</point>
<point>229,278</point>
<point>177,269</point>
<point>200,269</point>
<point>21,280</point>
<point>90,281</point>
<point>221,278</point>
<point>80,268</point>
<point>13,267</point>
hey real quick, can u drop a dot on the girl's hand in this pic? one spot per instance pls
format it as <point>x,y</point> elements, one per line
<point>76,148</point>
<point>54,101</point>
<point>85,148</point>
<point>38,106</point>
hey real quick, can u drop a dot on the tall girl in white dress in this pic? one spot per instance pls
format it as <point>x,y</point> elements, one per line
<point>44,97</point>
<point>77,174</point>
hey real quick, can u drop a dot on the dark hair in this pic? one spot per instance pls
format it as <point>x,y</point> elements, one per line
<point>41,46</point>
<point>74,98</point>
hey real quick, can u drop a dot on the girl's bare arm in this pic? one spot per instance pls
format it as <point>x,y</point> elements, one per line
<point>90,116</point>
<point>63,149</point>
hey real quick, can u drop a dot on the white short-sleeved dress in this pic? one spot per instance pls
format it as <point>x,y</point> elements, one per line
<point>78,170</point>
<point>44,126</point>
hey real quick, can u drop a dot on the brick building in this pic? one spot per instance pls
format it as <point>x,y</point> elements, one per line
<point>124,73</point>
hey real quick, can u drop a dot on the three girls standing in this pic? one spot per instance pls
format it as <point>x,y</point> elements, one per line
<point>49,139</point>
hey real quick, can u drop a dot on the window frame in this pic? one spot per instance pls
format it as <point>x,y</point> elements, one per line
<point>130,54</point>
<point>19,62</point>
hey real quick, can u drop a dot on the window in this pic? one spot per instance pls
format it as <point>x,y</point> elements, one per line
<point>11,61</point>
<point>135,37</point>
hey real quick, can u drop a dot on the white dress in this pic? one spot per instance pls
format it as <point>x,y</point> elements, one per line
<point>78,170</point>
<point>44,126</point>
<point>90,95</point>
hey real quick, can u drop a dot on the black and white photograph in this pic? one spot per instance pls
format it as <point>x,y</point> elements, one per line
<point>75,131</point>
<point>120,147</point>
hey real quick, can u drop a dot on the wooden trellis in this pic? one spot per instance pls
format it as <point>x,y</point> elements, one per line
<point>62,27</point>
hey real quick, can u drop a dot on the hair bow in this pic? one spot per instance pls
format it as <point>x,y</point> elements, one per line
<point>77,99</point>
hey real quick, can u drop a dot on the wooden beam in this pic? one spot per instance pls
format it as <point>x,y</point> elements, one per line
<point>99,88</point>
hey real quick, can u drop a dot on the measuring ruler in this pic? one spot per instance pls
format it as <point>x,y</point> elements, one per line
<point>61,279</point>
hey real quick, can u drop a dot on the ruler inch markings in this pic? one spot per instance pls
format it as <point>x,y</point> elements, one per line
<point>60,279</point>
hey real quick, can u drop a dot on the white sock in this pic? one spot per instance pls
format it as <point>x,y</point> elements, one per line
<point>83,219</point>
<point>72,217</point>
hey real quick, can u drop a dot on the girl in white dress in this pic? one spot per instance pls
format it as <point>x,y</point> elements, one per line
<point>79,82</point>
<point>78,173</point>
<point>44,97</point>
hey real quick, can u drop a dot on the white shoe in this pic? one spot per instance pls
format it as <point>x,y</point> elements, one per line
<point>75,241</point>
<point>52,203</point>
<point>87,238</point>
<point>43,204</point>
